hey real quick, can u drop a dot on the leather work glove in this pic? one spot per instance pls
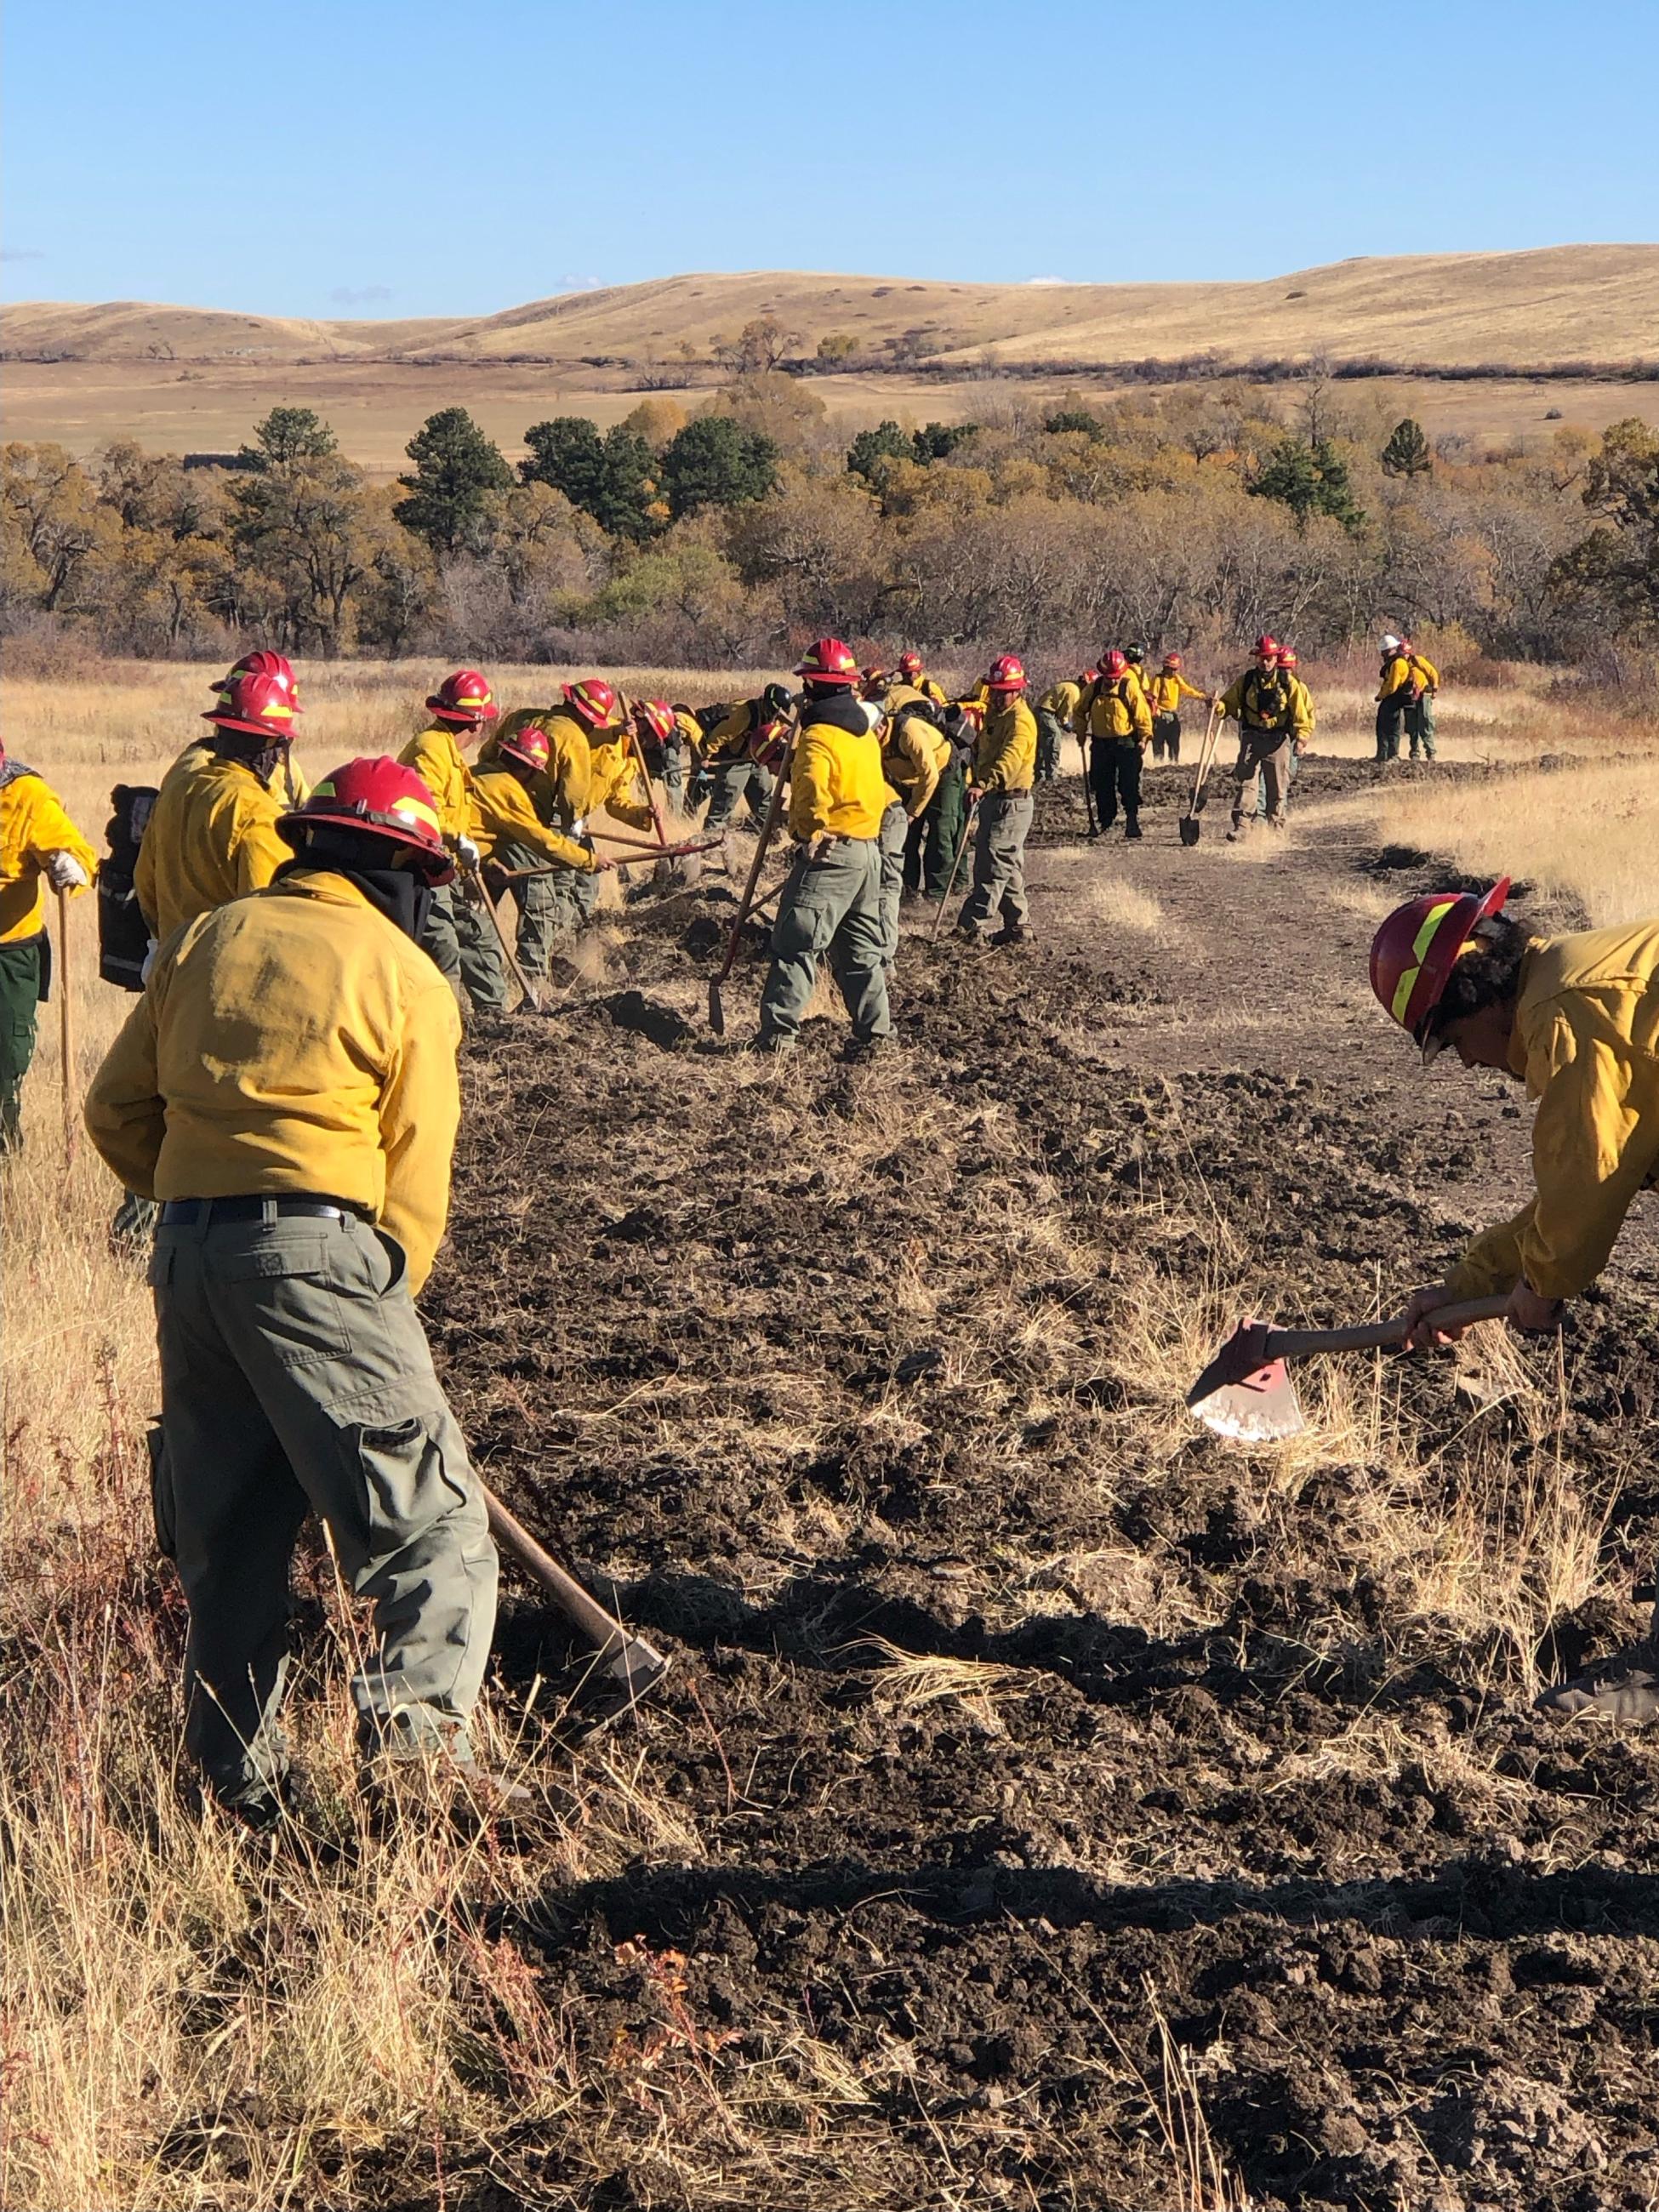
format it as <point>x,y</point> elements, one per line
<point>467,852</point>
<point>65,872</point>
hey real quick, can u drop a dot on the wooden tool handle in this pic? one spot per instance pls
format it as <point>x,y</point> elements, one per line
<point>587,1613</point>
<point>760,844</point>
<point>66,1038</point>
<point>1290,1343</point>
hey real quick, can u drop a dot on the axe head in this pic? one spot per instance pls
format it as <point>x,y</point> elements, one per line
<point>1244,1395</point>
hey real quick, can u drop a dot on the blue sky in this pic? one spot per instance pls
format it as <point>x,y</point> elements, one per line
<point>363,158</point>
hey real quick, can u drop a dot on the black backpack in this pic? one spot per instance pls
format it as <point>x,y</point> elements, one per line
<point>123,932</point>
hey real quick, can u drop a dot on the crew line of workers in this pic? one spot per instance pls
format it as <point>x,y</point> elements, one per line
<point>285,1095</point>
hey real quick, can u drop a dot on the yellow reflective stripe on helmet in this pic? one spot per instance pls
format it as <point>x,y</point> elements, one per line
<point>411,810</point>
<point>1425,938</point>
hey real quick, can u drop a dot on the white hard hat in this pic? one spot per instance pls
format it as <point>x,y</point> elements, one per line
<point>1390,642</point>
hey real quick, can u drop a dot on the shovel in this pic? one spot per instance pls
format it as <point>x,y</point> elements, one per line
<point>1246,1392</point>
<point>624,1667</point>
<point>481,889</point>
<point>1206,752</point>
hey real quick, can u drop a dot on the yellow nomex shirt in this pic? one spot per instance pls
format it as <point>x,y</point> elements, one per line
<point>436,759</point>
<point>913,756</point>
<point>33,823</point>
<point>1114,708</point>
<point>294,1041</point>
<point>836,788</point>
<point>1166,691</point>
<point>1004,752</point>
<point>1586,1039</point>
<point>505,812</point>
<point>211,837</point>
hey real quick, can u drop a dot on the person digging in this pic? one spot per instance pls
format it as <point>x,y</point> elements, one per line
<point>287,1088</point>
<point>458,937</point>
<point>831,903</point>
<point>1575,1019</point>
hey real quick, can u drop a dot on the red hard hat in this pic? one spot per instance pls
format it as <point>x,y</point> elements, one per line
<point>378,795</point>
<point>1172,660</point>
<point>1414,954</point>
<point>1113,663</point>
<point>528,746</point>
<point>263,706</point>
<point>659,718</point>
<point>262,662</point>
<point>1007,673</point>
<point>911,664</point>
<point>594,700</point>
<point>465,697</point>
<point>1287,656</point>
<point>1266,648</point>
<point>828,661</point>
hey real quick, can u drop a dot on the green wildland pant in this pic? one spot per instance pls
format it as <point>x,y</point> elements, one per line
<point>734,779</point>
<point>894,838</point>
<point>296,1378</point>
<point>1001,820</point>
<point>1267,754</point>
<point>458,938</point>
<point>830,905</point>
<point>931,849</point>
<point>24,967</point>
<point>545,913</point>
<point>1050,733</point>
<point>1391,713</point>
<point>1420,727</point>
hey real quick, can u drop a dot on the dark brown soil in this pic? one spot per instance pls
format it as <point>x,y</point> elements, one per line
<point>793,1359</point>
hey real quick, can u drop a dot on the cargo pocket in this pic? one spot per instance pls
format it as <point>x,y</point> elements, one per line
<point>400,1480</point>
<point>161,1491</point>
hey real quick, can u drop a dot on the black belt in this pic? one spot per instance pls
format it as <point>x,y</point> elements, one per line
<point>198,1212</point>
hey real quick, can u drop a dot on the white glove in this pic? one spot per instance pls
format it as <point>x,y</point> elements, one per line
<point>578,827</point>
<point>152,946</point>
<point>467,852</point>
<point>65,872</point>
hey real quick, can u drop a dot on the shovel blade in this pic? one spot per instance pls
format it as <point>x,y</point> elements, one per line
<point>1189,828</point>
<point>1262,1409</point>
<point>716,1011</point>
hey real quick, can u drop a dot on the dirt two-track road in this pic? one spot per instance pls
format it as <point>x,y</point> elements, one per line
<point>1053,1804</point>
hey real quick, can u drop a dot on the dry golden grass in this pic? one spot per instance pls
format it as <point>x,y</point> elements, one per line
<point>1588,834</point>
<point>191,2027</point>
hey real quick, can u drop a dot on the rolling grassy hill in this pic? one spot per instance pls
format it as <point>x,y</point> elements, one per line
<point>1556,305</point>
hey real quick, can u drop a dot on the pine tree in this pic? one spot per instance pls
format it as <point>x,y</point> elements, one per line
<point>1407,454</point>
<point>456,469</point>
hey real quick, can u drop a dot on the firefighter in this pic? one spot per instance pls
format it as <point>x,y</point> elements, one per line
<point>1274,713</point>
<point>1055,711</point>
<point>1576,1019</point>
<point>1395,686</point>
<point>680,755</point>
<point>912,673</point>
<point>1113,723</point>
<point>930,850</point>
<point>560,794</point>
<point>614,789</point>
<point>534,860</point>
<point>287,1088</point>
<point>915,754</point>
<point>265,662</point>
<point>1164,693</point>
<point>733,750</point>
<point>831,900</point>
<point>1420,708</point>
<point>458,936</point>
<point>1289,664</point>
<point>212,833</point>
<point>40,849</point>
<point>656,729</point>
<point>1001,804</point>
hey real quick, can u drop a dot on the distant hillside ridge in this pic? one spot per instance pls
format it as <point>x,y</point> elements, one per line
<point>1559,309</point>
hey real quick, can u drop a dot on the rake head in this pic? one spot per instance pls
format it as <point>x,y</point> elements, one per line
<point>1245,1396</point>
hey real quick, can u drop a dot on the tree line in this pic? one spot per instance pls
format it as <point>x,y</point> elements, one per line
<point>1193,514</point>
